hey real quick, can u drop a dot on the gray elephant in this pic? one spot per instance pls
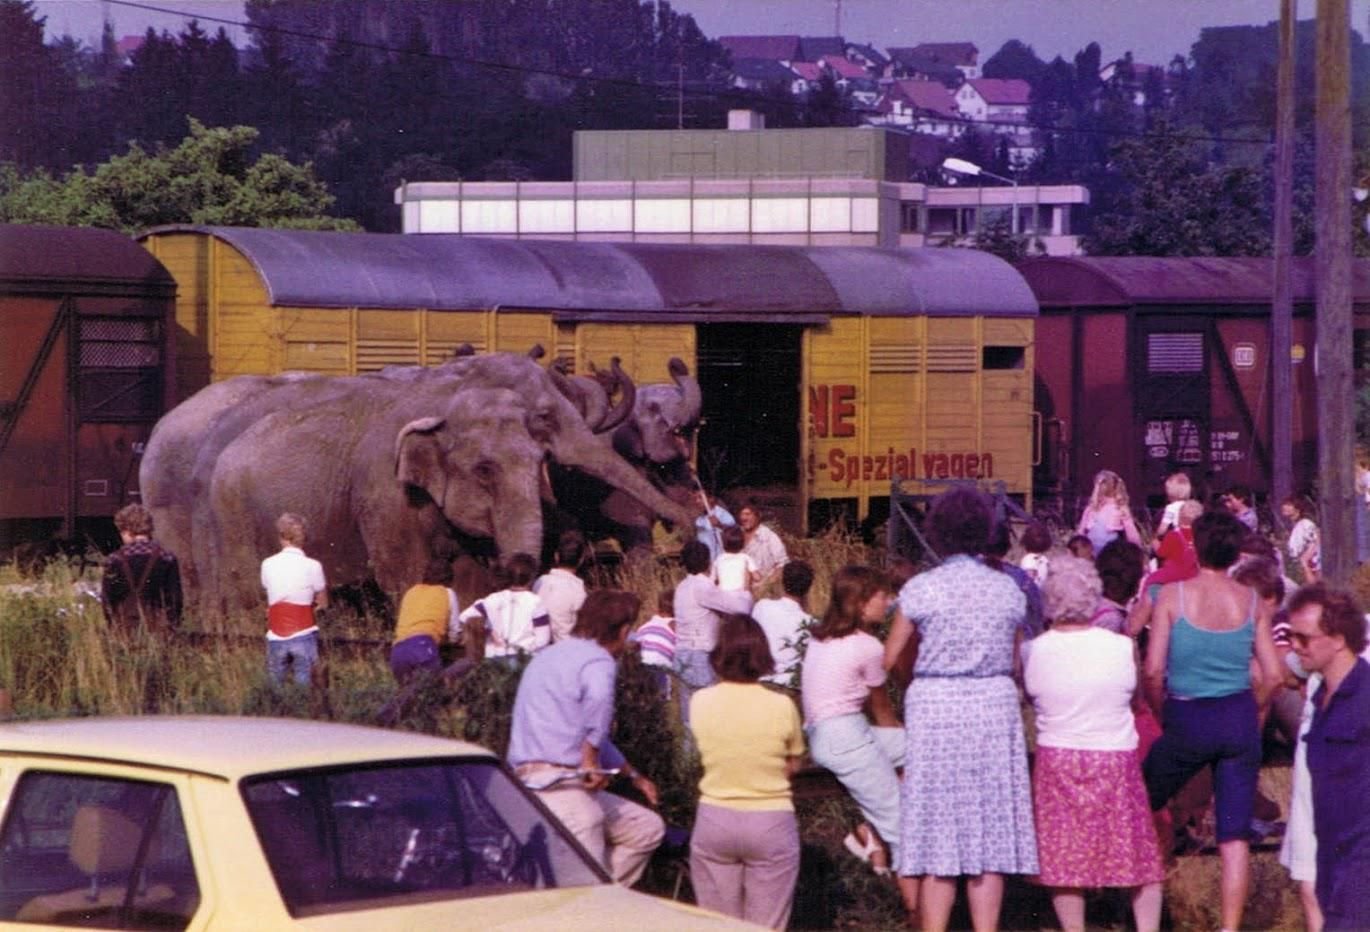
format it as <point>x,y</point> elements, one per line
<point>658,439</point>
<point>389,470</point>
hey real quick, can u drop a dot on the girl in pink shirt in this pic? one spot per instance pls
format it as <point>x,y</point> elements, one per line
<point>843,670</point>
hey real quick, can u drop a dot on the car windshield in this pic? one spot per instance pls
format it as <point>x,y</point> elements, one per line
<point>376,835</point>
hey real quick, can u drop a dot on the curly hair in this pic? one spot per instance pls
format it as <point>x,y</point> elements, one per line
<point>960,521</point>
<point>1071,590</point>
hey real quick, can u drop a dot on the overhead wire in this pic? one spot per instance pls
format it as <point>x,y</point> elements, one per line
<point>722,94</point>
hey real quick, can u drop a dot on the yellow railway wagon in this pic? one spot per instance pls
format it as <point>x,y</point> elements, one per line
<point>831,371</point>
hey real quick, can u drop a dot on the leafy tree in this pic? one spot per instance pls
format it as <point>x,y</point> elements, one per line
<point>1172,202</point>
<point>1014,59</point>
<point>210,178</point>
<point>996,236</point>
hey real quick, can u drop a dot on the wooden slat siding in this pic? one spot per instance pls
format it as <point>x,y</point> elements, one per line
<point>834,354</point>
<point>446,330</point>
<point>566,346</point>
<point>244,329</point>
<point>187,259</point>
<point>386,338</point>
<point>644,350</point>
<point>895,350</point>
<point>313,340</point>
<point>517,331</point>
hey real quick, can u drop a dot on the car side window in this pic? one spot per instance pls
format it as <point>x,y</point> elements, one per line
<point>95,852</point>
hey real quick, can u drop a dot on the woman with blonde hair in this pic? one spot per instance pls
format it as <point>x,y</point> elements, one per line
<point>1108,513</point>
<point>1094,826</point>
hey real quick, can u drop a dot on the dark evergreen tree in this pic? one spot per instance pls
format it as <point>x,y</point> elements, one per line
<point>1014,59</point>
<point>33,86</point>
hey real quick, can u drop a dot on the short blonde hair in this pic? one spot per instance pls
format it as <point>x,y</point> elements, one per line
<point>291,528</point>
<point>134,519</point>
<point>1190,511</point>
<point>1178,487</point>
<point>1072,588</point>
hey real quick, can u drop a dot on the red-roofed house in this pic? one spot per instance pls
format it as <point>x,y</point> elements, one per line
<point>923,106</point>
<point>1003,100</point>
<point>774,48</point>
<point>809,74</point>
<point>1003,103</point>
<point>963,56</point>
<point>844,70</point>
<point>128,45</point>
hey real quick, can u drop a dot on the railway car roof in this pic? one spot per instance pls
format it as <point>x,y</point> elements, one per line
<point>1121,281</point>
<point>620,281</point>
<point>83,260</point>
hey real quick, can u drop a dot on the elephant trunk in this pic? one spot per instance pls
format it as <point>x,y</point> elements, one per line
<point>628,398</point>
<point>518,519</point>
<point>568,387</point>
<point>584,452</point>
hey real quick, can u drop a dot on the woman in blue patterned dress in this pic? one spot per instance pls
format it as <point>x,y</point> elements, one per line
<point>966,799</point>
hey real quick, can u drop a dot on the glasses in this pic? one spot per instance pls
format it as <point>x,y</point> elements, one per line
<point>1303,640</point>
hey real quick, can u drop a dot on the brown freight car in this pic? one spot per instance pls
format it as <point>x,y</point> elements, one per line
<point>1151,365</point>
<point>84,373</point>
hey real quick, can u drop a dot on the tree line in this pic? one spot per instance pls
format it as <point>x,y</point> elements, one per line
<point>332,105</point>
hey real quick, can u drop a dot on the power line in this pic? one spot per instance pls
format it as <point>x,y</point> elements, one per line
<point>675,88</point>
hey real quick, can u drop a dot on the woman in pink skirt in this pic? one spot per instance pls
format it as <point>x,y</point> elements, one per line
<point>1094,826</point>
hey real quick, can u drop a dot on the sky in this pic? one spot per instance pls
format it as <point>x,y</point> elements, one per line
<point>1153,30</point>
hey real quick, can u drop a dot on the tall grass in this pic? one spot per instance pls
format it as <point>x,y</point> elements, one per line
<point>59,657</point>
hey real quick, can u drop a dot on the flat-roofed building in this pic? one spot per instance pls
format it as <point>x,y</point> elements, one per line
<point>816,187</point>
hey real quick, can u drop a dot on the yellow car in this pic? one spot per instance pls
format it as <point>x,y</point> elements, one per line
<point>261,824</point>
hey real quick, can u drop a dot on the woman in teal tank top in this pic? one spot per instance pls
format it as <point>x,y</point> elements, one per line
<point>1204,633</point>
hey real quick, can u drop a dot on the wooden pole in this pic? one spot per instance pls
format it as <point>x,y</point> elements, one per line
<point>1336,422</point>
<point>1282,301</point>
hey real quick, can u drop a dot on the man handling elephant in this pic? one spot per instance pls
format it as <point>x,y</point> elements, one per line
<point>294,585</point>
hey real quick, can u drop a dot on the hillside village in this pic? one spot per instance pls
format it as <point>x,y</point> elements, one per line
<point>935,88</point>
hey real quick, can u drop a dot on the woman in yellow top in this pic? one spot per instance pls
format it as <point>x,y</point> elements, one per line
<point>744,850</point>
<point>428,613</point>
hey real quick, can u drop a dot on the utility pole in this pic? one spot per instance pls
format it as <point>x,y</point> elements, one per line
<point>837,17</point>
<point>1336,424</point>
<point>1282,301</point>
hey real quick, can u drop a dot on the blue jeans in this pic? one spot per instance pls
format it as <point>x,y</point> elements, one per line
<point>863,758</point>
<point>695,674</point>
<point>302,652</point>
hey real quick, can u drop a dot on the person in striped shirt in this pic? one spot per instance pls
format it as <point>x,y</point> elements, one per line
<point>655,639</point>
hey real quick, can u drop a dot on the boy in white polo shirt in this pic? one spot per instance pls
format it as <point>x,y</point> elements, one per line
<point>294,585</point>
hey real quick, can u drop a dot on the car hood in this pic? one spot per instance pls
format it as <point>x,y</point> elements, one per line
<point>607,908</point>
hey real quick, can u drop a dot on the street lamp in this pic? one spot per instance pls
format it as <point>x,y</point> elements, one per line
<point>962,167</point>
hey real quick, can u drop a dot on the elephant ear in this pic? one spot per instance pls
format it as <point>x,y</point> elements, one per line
<point>418,459</point>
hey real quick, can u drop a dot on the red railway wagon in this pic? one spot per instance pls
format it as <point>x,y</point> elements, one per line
<point>84,373</point>
<point>1150,365</point>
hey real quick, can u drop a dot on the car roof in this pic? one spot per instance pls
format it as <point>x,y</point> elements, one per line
<point>223,746</point>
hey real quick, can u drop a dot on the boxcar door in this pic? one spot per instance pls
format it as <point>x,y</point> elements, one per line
<point>1173,401</point>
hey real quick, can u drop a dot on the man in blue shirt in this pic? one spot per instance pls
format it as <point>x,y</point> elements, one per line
<point>560,738</point>
<point>1327,629</point>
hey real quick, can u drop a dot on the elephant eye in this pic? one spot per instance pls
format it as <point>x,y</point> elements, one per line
<point>484,471</point>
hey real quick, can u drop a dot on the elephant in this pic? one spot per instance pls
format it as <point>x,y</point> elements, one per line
<point>664,422</point>
<point>593,394</point>
<point>388,470</point>
<point>168,479</point>
<point>658,439</point>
